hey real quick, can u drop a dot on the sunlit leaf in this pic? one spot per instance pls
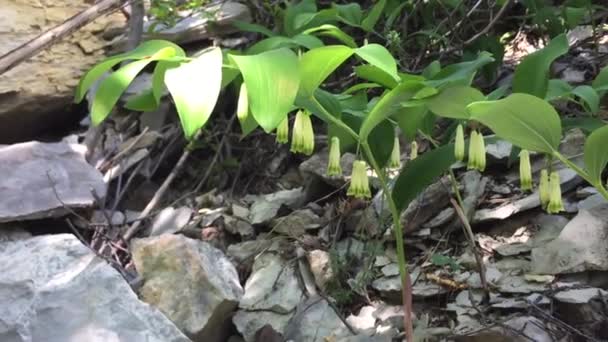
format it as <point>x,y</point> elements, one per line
<point>524,120</point>
<point>350,13</point>
<point>532,74</point>
<point>557,88</point>
<point>460,73</point>
<point>378,56</point>
<point>144,102</point>
<point>333,31</point>
<point>410,120</point>
<point>250,27</point>
<point>587,124</point>
<point>374,14</point>
<point>596,153</point>
<point>317,64</point>
<point>195,87</point>
<point>589,96</point>
<point>452,102</point>
<point>272,80</point>
<point>376,75</point>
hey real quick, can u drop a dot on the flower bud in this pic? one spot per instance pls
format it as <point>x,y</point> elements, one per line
<point>303,137</point>
<point>242,107</point>
<point>472,162</point>
<point>459,143</point>
<point>525,170</point>
<point>359,183</point>
<point>395,161</point>
<point>333,166</point>
<point>413,150</point>
<point>481,150</point>
<point>543,188</point>
<point>555,197</point>
<point>283,131</point>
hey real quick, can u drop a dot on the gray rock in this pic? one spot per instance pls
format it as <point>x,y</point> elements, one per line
<point>272,286</point>
<point>238,226</point>
<point>390,270</point>
<point>474,188</point>
<point>442,218</point>
<point>579,247</point>
<point>9,232</point>
<point>316,166</point>
<point>320,266</point>
<point>266,207</point>
<point>364,322</point>
<point>583,308</point>
<point>61,291</point>
<point>297,223</point>
<point>518,284</point>
<point>170,220</point>
<point>242,251</point>
<point>249,322</point>
<point>499,150</point>
<point>38,179</point>
<point>425,206</point>
<point>550,226</point>
<point>315,321</point>
<point>517,329</point>
<point>191,282</point>
<point>591,202</point>
<point>569,179</point>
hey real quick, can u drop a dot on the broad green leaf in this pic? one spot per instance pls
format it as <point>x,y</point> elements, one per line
<point>589,96</point>
<point>498,93</point>
<point>587,124</point>
<point>389,104</point>
<point>114,85</point>
<point>557,88</point>
<point>432,69</point>
<point>376,75</point>
<point>524,120</point>
<point>317,64</point>
<point>291,13</point>
<point>250,27</point>
<point>532,74</point>
<point>195,87</point>
<point>144,50</point>
<point>158,78</point>
<point>347,142</point>
<point>308,41</point>
<point>272,80</point>
<point>349,13</point>
<point>410,120</point>
<point>452,102</point>
<point>333,31</point>
<point>360,86</point>
<point>600,83</point>
<point>305,40</point>
<point>305,21</point>
<point>460,73</point>
<point>381,141</point>
<point>421,172</point>
<point>596,153</point>
<point>574,15</point>
<point>378,56</point>
<point>144,102</point>
<point>374,14</point>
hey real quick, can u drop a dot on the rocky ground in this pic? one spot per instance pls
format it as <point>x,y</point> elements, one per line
<point>270,249</point>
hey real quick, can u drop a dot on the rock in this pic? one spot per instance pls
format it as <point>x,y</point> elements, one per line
<point>272,286</point>
<point>584,309</point>
<point>191,282</point>
<point>364,322</point>
<point>35,175</point>
<point>474,188</point>
<point>266,207</point>
<point>569,179</point>
<point>511,283</point>
<point>390,287</point>
<point>297,223</point>
<point>248,323</point>
<point>425,206</point>
<point>320,266</point>
<point>170,221</point>
<point>316,166</point>
<point>442,218</point>
<point>363,223</point>
<point>238,226</point>
<point>242,251</point>
<point>579,247</point>
<point>549,228</point>
<point>36,93</point>
<point>13,233</point>
<point>517,329</point>
<point>350,249</point>
<point>499,150</point>
<point>61,291</point>
<point>591,202</point>
<point>240,211</point>
<point>390,270</point>
<point>315,321</point>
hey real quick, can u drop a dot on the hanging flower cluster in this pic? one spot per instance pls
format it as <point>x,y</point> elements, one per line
<point>395,161</point>
<point>525,170</point>
<point>333,166</point>
<point>477,152</point>
<point>359,183</point>
<point>283,131</point>
<point>303,136</point>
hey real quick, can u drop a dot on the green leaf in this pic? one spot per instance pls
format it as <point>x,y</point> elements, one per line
<point>308,41</point>
<point>557,88</point>
<point>389,104</point>
<point>144,102</point>
<point>460,73</point>
<point>452,102</point>
<point>291,13</point>
<point>317,64</point>
<point>498,93</point>
<point>587,124</point>
<point>410,120</point>
<point>574,16</point>
<point>532,74</point>
<point>374,14</point>
<point>524,120</point>
<point>381,141</point>
<point>589,96</point>
<point>195,87</point>
<point>600,83</point>
<point>333,31</point>
<point>360,86</point>
<point>378,56</point>
<point>349,13</point>
<point>144,50</point>
<point>596,154</point>
<point>272,80</point>
<point>250,27</point>
<point>376,75</point>
<point>419,173</point>
<point>158,78</point>
<point>114,85</point>
<point>432,69</point>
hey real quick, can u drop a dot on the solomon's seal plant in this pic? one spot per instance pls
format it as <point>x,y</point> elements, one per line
<point>333,166</point>
<point>525,170</point>
<point>359,182</point>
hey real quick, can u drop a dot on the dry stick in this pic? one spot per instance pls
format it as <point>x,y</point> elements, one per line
<point>469,233</point>
<point>32,47</point>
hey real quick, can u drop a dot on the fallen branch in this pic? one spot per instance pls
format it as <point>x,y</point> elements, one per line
<point>32,47</point>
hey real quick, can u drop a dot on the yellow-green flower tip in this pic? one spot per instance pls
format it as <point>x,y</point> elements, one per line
<point>481,149</point>
<point>395,161</point>
<point>477,152</point>
<point>303,136</point>
<point>525,170</point>
<point>283,131</point>
<point>359,183</point>
<point>413,150</point>
<point>543,188</point>
<point>555,197</point>
<point>333,166</point>
<point>242,106</point>
<point>459,143</point>
<point>472,162</point>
